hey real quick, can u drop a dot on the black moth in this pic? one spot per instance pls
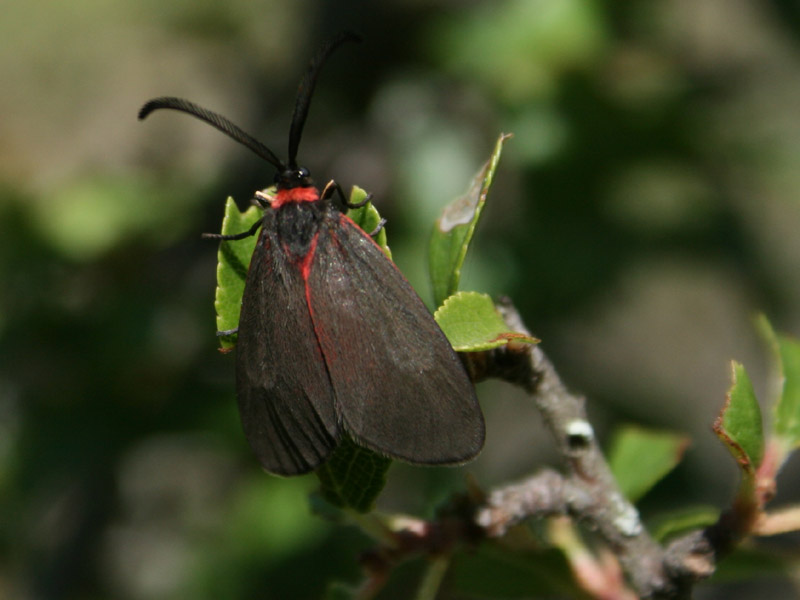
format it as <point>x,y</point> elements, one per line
<point>332,339</point>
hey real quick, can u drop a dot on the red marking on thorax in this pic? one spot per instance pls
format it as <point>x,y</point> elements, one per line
<point>297,194</point>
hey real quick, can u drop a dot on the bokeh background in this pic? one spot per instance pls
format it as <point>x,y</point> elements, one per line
<point>645,210</point>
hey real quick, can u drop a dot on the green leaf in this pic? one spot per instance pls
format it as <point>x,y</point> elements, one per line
<point>749,563</point>
<point>454,229</point>
<point>640,458</point>
<point>739,423</point>
<point>434,575</point>
<point>353,476</point>
<point>786,422</point>
<point>339,590</point>
<point>683,520</point>
<point>233,261</point>
<point>787,410</point>
<point>367,218</point>
<point>472,323</point>
<point>493,571</point>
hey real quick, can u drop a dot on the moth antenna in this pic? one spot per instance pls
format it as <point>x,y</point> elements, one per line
<point>306,89</point>
<point>215,120</point>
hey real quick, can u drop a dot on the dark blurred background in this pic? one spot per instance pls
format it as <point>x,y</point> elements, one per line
<point>646,208</point>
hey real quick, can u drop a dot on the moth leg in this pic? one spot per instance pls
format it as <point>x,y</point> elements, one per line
<point>333,187</point>
<point>235,236</point>
<point>262,199</point>
<point>378,228</point>
<point>360,204</point>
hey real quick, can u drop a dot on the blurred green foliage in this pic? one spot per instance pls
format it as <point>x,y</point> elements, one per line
<point>646,205</point>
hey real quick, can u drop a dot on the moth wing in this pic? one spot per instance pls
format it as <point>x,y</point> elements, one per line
<point>286,402</point>
<point>400,388</point>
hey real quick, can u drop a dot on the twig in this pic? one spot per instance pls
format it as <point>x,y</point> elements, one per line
<point>588,492</point>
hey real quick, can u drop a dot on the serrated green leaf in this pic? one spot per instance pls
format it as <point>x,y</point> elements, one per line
<point>739,424</point>
<point>640,458</point>
<point>353,476</point>
<point>233,262</point>
<point>454,229</point>
<point>367,217</point>
<point>471,323</point>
